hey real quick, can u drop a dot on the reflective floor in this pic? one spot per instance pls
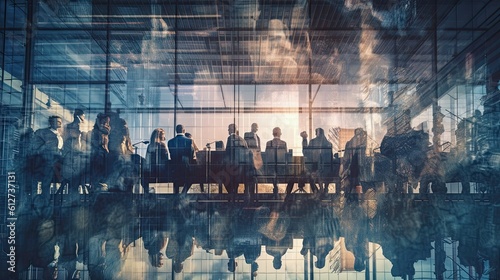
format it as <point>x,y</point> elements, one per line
<point>372,235</point>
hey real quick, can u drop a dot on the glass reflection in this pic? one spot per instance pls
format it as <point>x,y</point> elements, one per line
<point>111,235</point>
<point>380,119</point>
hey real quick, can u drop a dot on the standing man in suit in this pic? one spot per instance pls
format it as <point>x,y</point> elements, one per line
<point>318,158</point>
<point>276,157</point>
<point>47,145</point>
<point>236,160</point>
<point>252,139</point>
<point>181,153</point>
<point>253,142</point>
<point>74,152</point>
<point>276,142</point>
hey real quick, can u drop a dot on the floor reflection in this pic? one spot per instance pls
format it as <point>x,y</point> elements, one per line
<point>135,236</point>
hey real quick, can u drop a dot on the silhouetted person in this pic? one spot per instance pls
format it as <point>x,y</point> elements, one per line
<point>180,244</point>
<point>100,152</point>
<point>195,147</point>
<point>318,157</point>
<point>253,142</point>
<point>125,172</point>
<point>47,144</point>
<point>252,139</point>
<point>181,153</point>
<point>276,157</point>
<point>120,143</point>
<point>155,238</point>
<point>355,150</point>
<point>74,138</point>
<point>156,165</point>
<point>75,148</point>
<point>195,168</point>
<point>236,160</point>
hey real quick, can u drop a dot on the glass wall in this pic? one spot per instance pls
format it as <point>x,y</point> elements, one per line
<point>389,111</point>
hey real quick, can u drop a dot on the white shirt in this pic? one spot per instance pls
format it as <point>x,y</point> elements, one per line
<point>59,138</point>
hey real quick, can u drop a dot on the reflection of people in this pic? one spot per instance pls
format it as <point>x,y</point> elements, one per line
<point>321,230</point>
<point>181,153</point>
<point>278,249</point>
<point>73,133</point>
<point>276,156</point>
<point>236,159</point>
<point>156,159</point>
<point>155,243</point>
<point>318,156</point>
<point>99,151</point>
<point>48,144</point>
<point>355,150</point>
<point>74,148</point>
<point>180,244</point>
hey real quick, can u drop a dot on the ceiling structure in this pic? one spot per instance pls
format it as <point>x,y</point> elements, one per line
<point>126,49</point>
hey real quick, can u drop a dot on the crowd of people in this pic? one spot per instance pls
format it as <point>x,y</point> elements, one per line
<point>91,161</point>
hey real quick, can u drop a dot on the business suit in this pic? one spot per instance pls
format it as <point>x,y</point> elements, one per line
<point>276,159</point>
<point>236,160</point>
<point>318,156</point>
<point>47,147</point>
<point>253,142</point>
<point>276,143</point>
<point>181,152</point>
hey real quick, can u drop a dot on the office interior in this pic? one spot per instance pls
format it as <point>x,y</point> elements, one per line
<point>391,69</point>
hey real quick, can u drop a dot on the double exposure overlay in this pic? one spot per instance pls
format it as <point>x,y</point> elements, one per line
<point>250,139</point>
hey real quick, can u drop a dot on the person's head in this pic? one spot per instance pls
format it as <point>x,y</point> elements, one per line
<point>79,115</point>
<point>277,262</point>
<point>178,267</point>
<point>254,266</point>
<point>157,136</point>
<point>188,135</point>
<point>179,128</point>
<point>320,263</point>
<point>231,265</point>
<point>255,127</point>
<point>231,128</point>
<point>320,131</point>
<point>277,132</point>
<point>102,122</point>
<point>157,260</point>
<point>358,131</point>
<point>55,122</point>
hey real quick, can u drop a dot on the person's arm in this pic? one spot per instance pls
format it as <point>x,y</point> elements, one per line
<point>191,149</point>
<point>195,147</point>
<point>303,134</point>
<point>305,145</point>
<point>37,142</point>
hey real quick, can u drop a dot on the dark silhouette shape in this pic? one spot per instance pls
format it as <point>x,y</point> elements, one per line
<point>237,161</point>
<point>155,168</point>
<point>181,154</point>
<point>46,146</point>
